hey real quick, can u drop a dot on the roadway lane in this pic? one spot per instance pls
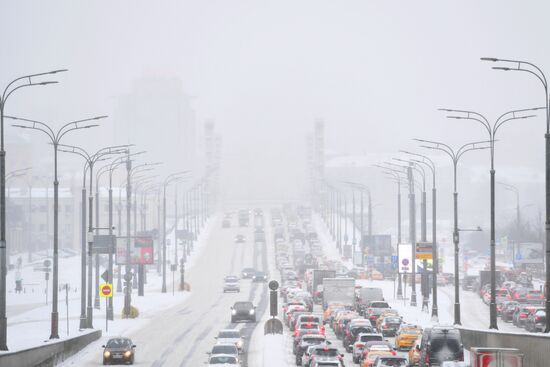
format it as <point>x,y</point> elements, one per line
<point>183,334</point>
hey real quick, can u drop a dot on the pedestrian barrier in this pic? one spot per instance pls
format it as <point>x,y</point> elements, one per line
<point>50,354</point>
<point>535,347</point>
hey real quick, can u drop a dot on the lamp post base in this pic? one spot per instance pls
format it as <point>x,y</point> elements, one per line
<point>55,326</point>
<point>89,317</point>
<point>493,313</point>
<point>83,322</point>
<point>457,314</point>
<point>3,331</point>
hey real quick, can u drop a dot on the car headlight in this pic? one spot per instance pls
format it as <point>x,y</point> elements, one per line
<point>233,312</point>
<point>252,312</point>
<point>106,354</point>
<point>127,354</point>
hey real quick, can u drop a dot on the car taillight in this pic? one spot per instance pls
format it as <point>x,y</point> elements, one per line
<point>522,315</point>
<point>297,333</point>
<point>393,353</point>
<point>427,358</point>
<point>537,318</point>
<point>359,345</point>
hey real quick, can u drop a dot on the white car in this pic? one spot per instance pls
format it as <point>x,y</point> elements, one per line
<point>231,284</point>
<point>226,349</point>
<point>223,360</point>
<point>231,336</point>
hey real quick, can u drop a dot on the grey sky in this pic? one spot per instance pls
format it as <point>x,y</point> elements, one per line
<point>374,71</point>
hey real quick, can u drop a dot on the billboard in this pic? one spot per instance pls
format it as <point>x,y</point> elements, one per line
<point>378,244</point>
<point>529,253</point>
<point>141,250</point>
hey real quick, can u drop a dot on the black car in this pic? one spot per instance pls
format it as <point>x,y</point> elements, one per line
<point>440,344</point>
<point>248,273</point>
<point>259,276</point>
<point>536,321</point>
<point>243,311</point>
<point>119,350</point>
<point>390,325</point>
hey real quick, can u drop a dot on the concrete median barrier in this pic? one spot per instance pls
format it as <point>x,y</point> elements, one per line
<point>49,354</point>
<point>535,347</point>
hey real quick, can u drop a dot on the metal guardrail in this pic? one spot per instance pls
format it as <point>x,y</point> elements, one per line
<point>535,347</point>
<point>49,354</point>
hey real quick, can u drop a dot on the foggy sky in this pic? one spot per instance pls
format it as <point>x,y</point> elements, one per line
<point>374,71</point>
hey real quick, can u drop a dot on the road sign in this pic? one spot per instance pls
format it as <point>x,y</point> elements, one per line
<point>105,276</point>
<point>106,290</point>
<point>424,250</point>
<point>104,244</point>
<point>404,253</point>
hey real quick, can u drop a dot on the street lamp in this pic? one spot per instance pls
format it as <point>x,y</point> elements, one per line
<point>396,177</point>
<point>361,189</point>
<point>455,155</point>
<point>528,67</point>
<point>55,138</point>
<point>412,219</point>
<point>14,85</point>
<point>422,159</point>
<point>130,172</point>
<point>491,129</point>
<point>90,161</point>
<point>171,178</point>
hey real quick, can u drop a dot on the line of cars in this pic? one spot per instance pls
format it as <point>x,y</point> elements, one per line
<point>517,302</point>
<point>230,343</point>
<point>364,327</point>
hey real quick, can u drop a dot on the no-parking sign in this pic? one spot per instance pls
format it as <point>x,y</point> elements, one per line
<point>404,254</point>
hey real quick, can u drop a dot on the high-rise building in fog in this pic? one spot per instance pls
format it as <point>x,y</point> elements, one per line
<point>157,116</point>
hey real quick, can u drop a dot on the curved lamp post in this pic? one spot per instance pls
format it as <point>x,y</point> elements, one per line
<point>455,155</point>
<point>55,138</point>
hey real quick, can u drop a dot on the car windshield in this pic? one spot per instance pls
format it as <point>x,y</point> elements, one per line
<point>361,329</point>
<point>314,340</point>
<point>326,352</point>
<point>239,306</point>
<point>229,334</point>
<point>445,341</point>
<point>392,362</point>
<point>224,349</point>
<point>392,320</point>
<point>119,343</point>
<point>231,279</point>
<point>309,325</point>
<point>379,305</point>
<point>368,338</point>
<point>223,360</point>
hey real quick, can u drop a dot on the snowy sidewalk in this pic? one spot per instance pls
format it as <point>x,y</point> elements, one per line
<point>29,316</point>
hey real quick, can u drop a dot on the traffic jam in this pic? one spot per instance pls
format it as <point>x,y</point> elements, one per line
<point>335,317</point>
<point>332,316</point>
